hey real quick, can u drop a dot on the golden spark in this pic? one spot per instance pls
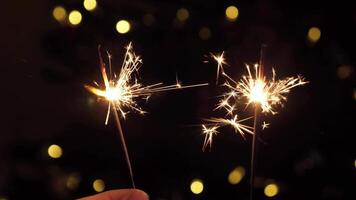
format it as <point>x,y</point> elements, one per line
<point>265,125</point>
<point>220,59</point>
<point>123,90</point>
<point>256,89</point>
<point>209,133</point>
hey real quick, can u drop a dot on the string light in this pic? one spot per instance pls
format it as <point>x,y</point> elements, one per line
<point>231,13</point>
<point>314,34</point>
<point>236,175</point>
<point>75,17</point>
<point>98,185</point>
<point>182,14</point>
<point>204,33</point>
<point>271,190</point>
<point>90,5</point>
<point>344,71</point>
<point>55,151</point>
<point>73,181</point>
<point>59,13</point>
<point>197,186</point>
<point>123,26</point>
<point>148,19</point>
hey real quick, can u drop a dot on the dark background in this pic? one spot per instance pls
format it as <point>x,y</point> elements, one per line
<point>309,150</point>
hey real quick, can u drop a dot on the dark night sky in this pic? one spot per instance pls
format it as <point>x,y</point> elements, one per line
<point>308,151</point>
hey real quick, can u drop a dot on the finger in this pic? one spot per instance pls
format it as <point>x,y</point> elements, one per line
<point>123,194</point>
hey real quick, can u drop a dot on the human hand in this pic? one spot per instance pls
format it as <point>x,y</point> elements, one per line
<point>123,194</point>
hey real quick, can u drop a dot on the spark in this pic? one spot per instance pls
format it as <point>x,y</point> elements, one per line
<point>209,133</point>
<point>253,88</point>
<point>266,93</point>
<point>122,91</point>
<point>220,59</point>
<point>210,128</point>
<point>235,122</point>
<point>265,125</point>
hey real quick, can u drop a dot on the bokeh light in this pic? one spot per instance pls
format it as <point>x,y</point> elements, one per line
<point>197,186</point>
<point>148,19</point>
<point>59,13</point>
<point>271,190</point>
<point>236,175</point>
<point>355,159</point>
<point>354,94</point>
<point>205,33</point>
<point>99,185</point>
<point>55,151</point>
<point>3,198</point>
<point>182,14</point>
<point>73,181</point>
<point>344,71</point>
<point>232,12</point>
<point>75,17</point>
<point>90,5</point>
<point>314,34</point>
<point>123,26</point>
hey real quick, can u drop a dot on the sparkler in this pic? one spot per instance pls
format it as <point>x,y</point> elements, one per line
<point>122,91</point>
<point>265,95</point>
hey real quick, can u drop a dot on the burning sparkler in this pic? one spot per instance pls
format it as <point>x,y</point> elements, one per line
<point>122,91</point>
<point>254,88</point>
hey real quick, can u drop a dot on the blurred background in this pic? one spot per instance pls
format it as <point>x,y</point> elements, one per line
<point>54,144</point>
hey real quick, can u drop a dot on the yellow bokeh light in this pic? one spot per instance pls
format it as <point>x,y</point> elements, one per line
<point>99,185</point>
<point>314,34</point>
<point>148,19</point>
<point>182,14</point>
<point>197,186</point>
<point>344,71</point>
<point>204,33</point>
<point>75,17</point>
<point>123,26</point>
<point>90,5</point>
<point>54,151</point>
<point>59,13</point>
<point>73,181</point>
<point>271,190</point>
<point>231,13</point>
<point>355,160</point>
<point>236,175</point>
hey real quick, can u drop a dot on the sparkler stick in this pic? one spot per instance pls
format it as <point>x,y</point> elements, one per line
<point>254,136</point>
<point>122,138</point>
<point>252,170</point>
<point>122,91</point>
<point>254,88</point>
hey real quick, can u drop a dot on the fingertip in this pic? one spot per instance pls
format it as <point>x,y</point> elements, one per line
<point>137,194</point>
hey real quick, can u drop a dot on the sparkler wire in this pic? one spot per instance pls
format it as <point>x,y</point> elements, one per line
<point>124,146</point>
<point>254,136</point>
<point>253,149</point>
